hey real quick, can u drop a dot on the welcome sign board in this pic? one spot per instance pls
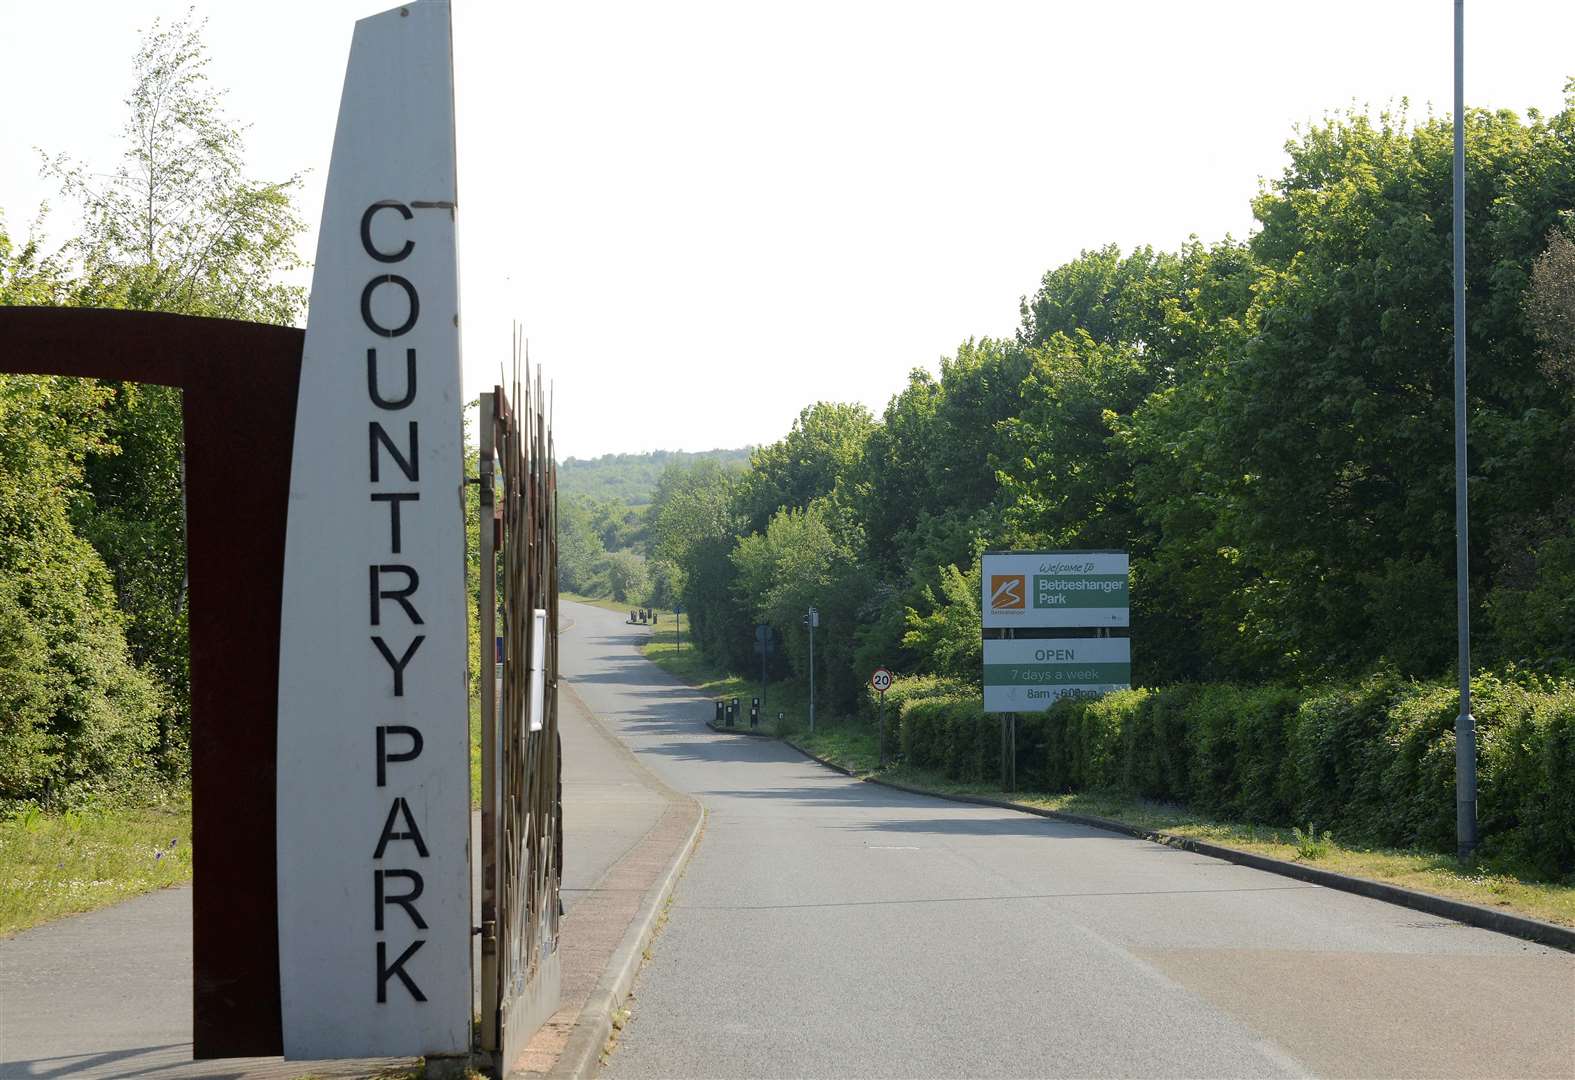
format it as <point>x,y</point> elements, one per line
<point>373,752</point>
<point>1039,589</point>
<point>1028,675</point>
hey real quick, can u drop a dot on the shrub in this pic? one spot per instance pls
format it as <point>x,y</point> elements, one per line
<point>1372,762</point>
<point>1336,735</point>
<point>1158,755</point>
<point>1526,772</point>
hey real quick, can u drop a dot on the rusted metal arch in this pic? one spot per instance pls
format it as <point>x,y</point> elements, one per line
<point>240,381</point>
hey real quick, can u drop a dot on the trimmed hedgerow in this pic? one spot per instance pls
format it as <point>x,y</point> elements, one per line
<point>1373,761</point>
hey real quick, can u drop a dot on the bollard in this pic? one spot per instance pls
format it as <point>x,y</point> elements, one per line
<point>719,718</point>
<point>732,714</point>
<point>754,715</point>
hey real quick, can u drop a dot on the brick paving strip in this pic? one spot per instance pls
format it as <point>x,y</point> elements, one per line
<point>604,935</point>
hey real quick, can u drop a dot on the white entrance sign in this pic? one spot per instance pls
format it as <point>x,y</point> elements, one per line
<point>374,773</point>
<point>1029,675</point>
<point>1068,588</point>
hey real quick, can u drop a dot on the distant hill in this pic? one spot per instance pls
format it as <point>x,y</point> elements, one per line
<point>630,479</point>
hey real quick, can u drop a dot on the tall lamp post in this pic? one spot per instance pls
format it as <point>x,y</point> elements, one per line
<point>1465,723</point>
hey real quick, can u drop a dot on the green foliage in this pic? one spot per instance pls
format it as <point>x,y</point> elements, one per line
<point>825,445</point>
<point>80,717</point>
<point>693,526</point>
<point>949,732</point>
<point>1309,845</point>
<point>59,864</point>
<point>28,755</point>
<point>1300,478</point>
<point>135,518</point>
<point>177,225</point>
<point>951,634</point>
<point>580,548</point>
<point>1266,427</point>
<point>627,581</point>
<point>633,479</point>
<point>1374,760</point>
<point>1550,302</point>
<point>92,545</point>
<point>807,558</point>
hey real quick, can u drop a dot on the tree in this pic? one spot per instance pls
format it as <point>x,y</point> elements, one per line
<point>1299,477</point>
<point>949,635</point>
<point>580,549</point>
<point>625,574</point>
<point>177,225</point>
<point>28,278</point>
<point>807,558</point>
<point>1550,305</point>
<point>76,715</point>
<point>693,526</point>
<point>824,446</point>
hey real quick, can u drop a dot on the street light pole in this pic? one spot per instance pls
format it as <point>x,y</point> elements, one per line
<point>1465,723</point>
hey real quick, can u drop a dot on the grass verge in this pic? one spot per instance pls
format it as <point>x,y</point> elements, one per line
<point>854,745</point>
<point>62,864</point>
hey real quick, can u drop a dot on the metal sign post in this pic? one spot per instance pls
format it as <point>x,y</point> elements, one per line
<point>765,646</point>
<point>812,620</point>
<point>881,681</point>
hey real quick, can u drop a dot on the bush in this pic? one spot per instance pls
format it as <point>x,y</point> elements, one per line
<point>1373,762</point>
<point>1526,771</point>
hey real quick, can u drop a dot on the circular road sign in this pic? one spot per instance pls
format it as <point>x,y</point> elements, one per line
<point>881,680</point>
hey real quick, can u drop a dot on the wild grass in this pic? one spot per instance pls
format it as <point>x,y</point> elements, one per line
<point>54,864</point>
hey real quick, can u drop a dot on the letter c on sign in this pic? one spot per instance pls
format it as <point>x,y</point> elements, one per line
<point>366,305</point>
<point>366,232</point>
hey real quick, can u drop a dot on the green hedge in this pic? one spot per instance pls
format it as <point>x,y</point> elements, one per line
<point>1374,762</point>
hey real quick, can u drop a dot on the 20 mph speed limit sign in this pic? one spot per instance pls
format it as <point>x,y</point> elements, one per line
<point>881,680</point>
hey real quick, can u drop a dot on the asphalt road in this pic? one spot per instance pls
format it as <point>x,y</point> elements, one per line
<point>827,927</point>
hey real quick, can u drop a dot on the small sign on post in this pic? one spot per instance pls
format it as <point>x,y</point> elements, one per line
<point>881,682</point>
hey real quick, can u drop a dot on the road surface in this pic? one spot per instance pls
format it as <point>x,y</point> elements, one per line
<point>108,994</point>
<point>828,927</point>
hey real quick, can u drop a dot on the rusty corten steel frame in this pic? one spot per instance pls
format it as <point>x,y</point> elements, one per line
<point>239,381</point>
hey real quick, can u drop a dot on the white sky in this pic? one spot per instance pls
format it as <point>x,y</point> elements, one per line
<point>707,216</point>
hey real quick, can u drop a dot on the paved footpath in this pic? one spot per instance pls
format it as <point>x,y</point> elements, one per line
<point>827,927</point>
<point>108,994</point>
